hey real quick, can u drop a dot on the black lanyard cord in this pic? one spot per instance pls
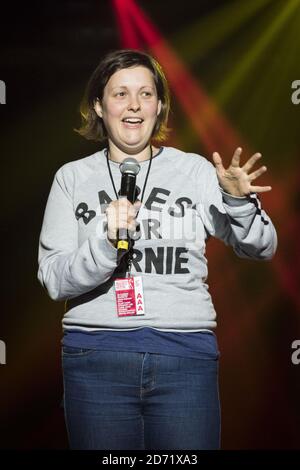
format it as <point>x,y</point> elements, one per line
<point>109,169</point>
<point>128,257</point>
<point>148,171</point>
<point>106,151</point>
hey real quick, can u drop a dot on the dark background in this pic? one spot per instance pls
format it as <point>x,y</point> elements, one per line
<point>246,63</point>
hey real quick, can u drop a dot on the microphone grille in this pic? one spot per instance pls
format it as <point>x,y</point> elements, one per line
<point>130,165</point>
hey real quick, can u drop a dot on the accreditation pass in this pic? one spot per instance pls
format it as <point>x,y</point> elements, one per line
<point>129,296</point>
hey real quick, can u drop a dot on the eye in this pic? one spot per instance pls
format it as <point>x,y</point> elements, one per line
<point>120,93</point>
<point>147,93</point>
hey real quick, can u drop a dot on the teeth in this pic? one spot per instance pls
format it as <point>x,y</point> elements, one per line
<point>133,121</point>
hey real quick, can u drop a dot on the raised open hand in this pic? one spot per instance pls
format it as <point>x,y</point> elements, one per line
<point>236,180</point>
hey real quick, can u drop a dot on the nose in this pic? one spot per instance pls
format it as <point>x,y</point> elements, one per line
<point>134,104</point>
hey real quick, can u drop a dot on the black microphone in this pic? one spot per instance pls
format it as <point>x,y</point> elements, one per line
<point>129,169</point>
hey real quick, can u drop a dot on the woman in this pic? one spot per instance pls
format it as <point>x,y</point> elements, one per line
<point>142,375</point>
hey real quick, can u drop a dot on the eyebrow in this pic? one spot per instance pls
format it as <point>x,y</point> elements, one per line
<point>124,86</point>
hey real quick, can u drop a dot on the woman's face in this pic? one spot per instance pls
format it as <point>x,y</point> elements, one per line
<point>129,108</point>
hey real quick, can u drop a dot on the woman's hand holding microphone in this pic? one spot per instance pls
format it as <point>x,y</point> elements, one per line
<point>121,214</point>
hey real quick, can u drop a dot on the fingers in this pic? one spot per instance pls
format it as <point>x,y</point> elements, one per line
<point>122,204</point>
<point>137,204</point>
<point>217,161</point>
<point>235,162</point>
<point>123,201</point>
<point>121,214</point>
<point>257,173</point>
<point>260,189</point>
<point>252,160</point>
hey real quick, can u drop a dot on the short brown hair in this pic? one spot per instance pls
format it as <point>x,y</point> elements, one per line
<point>92,127</point>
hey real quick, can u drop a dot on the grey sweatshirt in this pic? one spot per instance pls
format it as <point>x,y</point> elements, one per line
<point>182,207</point>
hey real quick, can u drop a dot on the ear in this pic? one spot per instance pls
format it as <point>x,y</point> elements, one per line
<point>98,108</point>
<point>158,107</point>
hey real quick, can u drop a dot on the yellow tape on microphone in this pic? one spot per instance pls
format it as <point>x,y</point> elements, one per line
<point>123,245</point>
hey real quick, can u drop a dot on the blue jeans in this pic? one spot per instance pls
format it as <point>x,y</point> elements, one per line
<point>141,401</point>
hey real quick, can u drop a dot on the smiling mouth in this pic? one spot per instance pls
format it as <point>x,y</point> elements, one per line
<point>132,121</point>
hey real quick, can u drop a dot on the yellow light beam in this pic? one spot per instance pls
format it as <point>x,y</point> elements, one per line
<point>228,86</point>
<point>211,30</point>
